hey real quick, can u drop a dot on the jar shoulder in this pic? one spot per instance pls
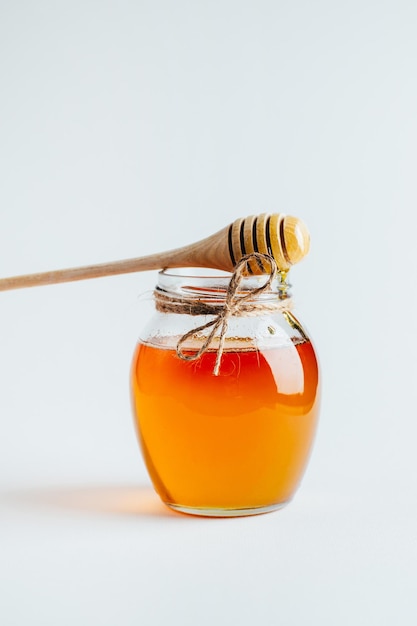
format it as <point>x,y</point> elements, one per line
<point>267,330</point>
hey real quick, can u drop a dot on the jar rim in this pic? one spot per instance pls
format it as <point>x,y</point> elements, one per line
<point>194,272</point>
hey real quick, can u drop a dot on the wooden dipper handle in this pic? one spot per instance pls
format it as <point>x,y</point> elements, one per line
<point>283,237</point>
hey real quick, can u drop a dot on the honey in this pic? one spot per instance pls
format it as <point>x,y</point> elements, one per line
<point>229,444</point>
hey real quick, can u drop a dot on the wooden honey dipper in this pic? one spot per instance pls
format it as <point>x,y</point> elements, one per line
<point>284,237</point>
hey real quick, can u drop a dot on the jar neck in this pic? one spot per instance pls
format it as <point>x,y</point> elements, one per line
<point>213,288</point>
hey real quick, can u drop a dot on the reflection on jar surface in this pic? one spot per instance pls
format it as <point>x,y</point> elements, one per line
<point>233,444</point>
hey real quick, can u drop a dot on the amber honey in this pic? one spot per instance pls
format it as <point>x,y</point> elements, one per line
<point>239,441</point>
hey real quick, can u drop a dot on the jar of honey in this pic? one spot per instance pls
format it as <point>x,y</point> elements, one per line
<point>225,390</point>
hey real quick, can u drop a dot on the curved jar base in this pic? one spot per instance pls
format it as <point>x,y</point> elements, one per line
<point>213,512</point>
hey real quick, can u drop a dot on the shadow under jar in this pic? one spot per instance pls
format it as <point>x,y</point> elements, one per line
<point>235,443</point>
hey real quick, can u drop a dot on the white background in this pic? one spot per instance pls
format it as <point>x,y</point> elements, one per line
<point>127,128</point>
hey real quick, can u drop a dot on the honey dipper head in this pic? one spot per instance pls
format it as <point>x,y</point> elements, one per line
<point>283,237</point>
<point>296,239</point>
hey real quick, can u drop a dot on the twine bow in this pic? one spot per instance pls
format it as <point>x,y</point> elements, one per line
<point>233,305</point>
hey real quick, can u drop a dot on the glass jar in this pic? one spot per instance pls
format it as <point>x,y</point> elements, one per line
<point>234,441</point>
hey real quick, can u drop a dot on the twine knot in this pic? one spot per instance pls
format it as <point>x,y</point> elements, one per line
<point>235,304</point>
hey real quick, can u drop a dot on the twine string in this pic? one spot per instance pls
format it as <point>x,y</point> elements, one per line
<point>235,304</point>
